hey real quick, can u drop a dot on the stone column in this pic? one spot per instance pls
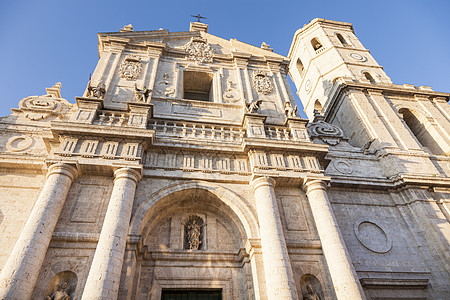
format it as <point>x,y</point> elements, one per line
<point>104,275</point>
<point>277,267</point>
<point>22,268</point>
<point>344,277</point>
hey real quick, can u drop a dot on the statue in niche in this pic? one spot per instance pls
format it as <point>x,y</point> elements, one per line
<point>291,112</point>
<point>254,106</point>
<point>193,229</point>
<point>310,295</point>
<point>60,293</point>
<point>141,94</point>
<point>96,92</point>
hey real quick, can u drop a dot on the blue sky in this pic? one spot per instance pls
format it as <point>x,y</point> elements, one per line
<point>43,42</point>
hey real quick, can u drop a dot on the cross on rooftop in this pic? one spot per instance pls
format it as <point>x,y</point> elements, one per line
<point>199,17</point>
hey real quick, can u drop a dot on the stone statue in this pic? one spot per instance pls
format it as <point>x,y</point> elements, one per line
<point>60,294</point>
<point>96,92</point>
<point>194,232</point>
<point>141,94</point>
<point>254,106</point>
<point>311,295</point>
<point>291,112</point>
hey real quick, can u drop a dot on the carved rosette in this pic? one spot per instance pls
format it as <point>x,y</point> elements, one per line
<point>328,133</point>
<point>198,50</point>
<point>131,68</point>
<point>261,82</point>
<point>41,107</point>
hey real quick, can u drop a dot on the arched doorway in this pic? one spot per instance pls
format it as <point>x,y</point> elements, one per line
<point>194,243</point>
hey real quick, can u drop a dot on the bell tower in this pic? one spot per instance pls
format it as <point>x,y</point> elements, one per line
<point>336,76</point>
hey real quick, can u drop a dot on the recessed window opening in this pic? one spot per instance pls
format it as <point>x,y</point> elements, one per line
<point>342,39</point>
<point>318,106</point>
<point>197,85</point>
<point>316,44</point>
<point>300,67</point>
<point>369,77</point>
<point>422,130</point>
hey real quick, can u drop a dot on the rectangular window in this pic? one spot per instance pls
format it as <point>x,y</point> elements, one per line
<point>197,86</point>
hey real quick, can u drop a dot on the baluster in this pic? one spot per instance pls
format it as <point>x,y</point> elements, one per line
<point>203,131</point>
<point>174,128</point>
<point>184,130</point>
<point>269,132</point>
<point>194,130</point>
<point>222,133</point>
<point>286,134</point>
<point>231,134</point>
<point>278,133</point>
<point>165,127</point>
<point>213,132</point>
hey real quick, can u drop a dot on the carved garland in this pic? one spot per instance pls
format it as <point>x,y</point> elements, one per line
<point>261,82</point>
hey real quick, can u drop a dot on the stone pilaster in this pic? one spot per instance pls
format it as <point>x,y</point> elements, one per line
<point>104,275</point>
<point>343,274</point>
<point>20,272</point>
<point>277,267</point>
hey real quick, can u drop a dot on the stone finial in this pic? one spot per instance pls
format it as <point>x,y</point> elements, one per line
<point>198,26</point>
<point>126,28</point>
<point>266,47</point>
<point>54,91</point>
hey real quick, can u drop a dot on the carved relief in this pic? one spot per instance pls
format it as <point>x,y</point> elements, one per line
<point>193,233</point>
<point>131,68</point>
<point>261,82</point>
<point>328,133</point>
<point>198,50</point>
<point>41,107</point>
<point>291,112</point>
<point>164,88</point>
<point>232,95</point>
<point>342,166</point>
<point>19,143</point>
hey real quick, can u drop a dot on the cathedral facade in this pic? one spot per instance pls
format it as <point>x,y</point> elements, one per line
<point>184,172</point>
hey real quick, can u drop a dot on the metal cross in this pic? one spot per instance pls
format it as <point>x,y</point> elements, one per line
<point>198,17</point>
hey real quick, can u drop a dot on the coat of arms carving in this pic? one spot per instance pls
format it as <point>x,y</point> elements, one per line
<point>261,82</point>
<point>199,50</point>
<point>131,68</point>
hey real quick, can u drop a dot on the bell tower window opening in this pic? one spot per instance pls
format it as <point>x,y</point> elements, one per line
<point>318,106</point>
<point>317,46</point>
<point>342,40</point>
<point>300,67</point>
<point>369,77</point>
<point>197,86</point>
<point>420,128</point>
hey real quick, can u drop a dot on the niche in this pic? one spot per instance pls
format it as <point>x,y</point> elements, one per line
<point>311,287</point>
<point>62,286</point>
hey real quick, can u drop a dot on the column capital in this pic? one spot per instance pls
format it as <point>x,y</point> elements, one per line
<point>262,181</point>
<point>129,173</point>
<point>63,169</point>
<point>311,184</point>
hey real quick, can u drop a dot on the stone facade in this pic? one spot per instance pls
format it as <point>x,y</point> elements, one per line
<point>184,167</point>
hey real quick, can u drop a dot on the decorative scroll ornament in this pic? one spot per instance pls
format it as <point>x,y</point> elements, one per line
<point>193,232</point>
<point>131,68</point>
<point>326,132</point>
<point>261,82</point>
<point>163,87</point>
<point>41,107</point>
<point>198,50</point>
